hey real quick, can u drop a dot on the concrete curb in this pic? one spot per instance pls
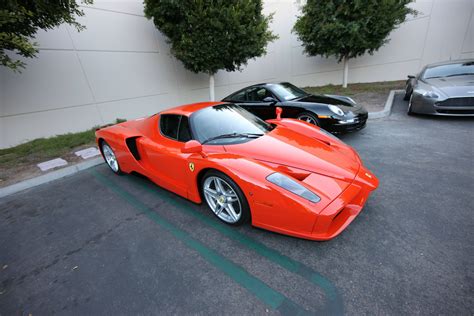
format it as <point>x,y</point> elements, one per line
<point>387,108</point>
<point>54,175</point>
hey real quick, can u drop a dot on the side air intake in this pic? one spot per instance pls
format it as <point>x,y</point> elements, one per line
<point>132,146</point>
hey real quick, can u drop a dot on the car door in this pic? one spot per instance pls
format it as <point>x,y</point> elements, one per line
<point>252,99</point>
<point>166,164</point>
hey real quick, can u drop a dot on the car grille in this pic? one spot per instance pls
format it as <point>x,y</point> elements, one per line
<point>458,112</point>
<point>454,102</point>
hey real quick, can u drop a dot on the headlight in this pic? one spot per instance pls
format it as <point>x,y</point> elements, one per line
<point>291,185</point>
<point>430,94</point>
<point>336,110</point>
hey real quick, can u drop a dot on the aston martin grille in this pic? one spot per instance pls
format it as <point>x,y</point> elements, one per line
<point>457,102</point>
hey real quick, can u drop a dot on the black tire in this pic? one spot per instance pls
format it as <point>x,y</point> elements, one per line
<point>104,146</point>
<point>407,95</point>
<point>312,118</point>
<point>244,206</point>
<point>409,110</point>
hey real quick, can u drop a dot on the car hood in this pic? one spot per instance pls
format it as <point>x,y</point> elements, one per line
<point>283,146</point>
<point>454,86</point>
<point>340,101</point>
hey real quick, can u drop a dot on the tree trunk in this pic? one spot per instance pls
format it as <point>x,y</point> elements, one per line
<point>346,72</point>
<point>211,88</point>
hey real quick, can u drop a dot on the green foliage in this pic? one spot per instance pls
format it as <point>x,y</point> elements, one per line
<point>209,35</point>
<point>21,19</point>
<point>45,148</point>
<point>348,28</point>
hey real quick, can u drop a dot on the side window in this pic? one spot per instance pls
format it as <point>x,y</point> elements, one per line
<point>169,124</point>
<point>240,96</point>
<point>184,131</point>
<point>258,94</point>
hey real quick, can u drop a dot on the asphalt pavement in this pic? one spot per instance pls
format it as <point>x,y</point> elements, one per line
<point>96,243</point>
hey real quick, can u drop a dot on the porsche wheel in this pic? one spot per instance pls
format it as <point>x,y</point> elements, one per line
<point>225,198</point>
<point>110,158</point>
<point>308,117</point>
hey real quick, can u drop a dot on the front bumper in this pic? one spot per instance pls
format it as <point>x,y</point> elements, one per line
<point>307,220</point>
<point>345,125</point>
<point>446,107</point>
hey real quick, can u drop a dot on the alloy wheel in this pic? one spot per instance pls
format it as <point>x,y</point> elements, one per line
<point>222,199</point>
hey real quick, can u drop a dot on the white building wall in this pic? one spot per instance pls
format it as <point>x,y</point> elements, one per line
<point>120,66</point>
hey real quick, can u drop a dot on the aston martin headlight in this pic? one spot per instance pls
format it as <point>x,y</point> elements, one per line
<point>336,110</point>
<point>291,185</point>
<point>430,94</point>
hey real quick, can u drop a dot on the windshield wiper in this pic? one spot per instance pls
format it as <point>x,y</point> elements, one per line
<point>232,135</point>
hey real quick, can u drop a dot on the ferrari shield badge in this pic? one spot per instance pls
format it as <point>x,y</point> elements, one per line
<point>191,166</point>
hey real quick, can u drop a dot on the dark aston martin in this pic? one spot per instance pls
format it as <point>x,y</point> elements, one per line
<point>334,113</point>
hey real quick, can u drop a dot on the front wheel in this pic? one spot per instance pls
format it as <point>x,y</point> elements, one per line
<point>309,118</point>
<point>225,199</point>
<point>410,111</point>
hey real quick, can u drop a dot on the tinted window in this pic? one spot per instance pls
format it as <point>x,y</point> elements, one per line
<point>258,94</point>
<point>450,70</point>
<point>239,96</point>
<point>184,131</point>
<point>169,124</point>
<point>287,91</point>
<point>225,119</point>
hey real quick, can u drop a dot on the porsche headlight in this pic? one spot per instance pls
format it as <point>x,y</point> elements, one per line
<point>291,185</point>
<point>336,110</point>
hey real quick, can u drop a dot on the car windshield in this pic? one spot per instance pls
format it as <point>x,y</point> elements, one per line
<point>226,124</point>
<point>286,91</point>
<point>451,70</point>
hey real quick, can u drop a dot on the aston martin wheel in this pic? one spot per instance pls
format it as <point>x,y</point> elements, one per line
<point>225,198</point>
<point>110,158</point>
<point>410,111</point>
<point>308,117</point>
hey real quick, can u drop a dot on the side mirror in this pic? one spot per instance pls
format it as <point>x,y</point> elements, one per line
<point>192,147</point>
<point>270,100</point>
<point>278,112</point>
<point>411,77</point>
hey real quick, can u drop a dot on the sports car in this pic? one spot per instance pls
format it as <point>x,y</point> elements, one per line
<point>283,175</point>
<point>334,113</point>
<point>442,89</point>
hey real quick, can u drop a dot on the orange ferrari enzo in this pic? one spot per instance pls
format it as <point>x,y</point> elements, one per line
<point>283,175</point>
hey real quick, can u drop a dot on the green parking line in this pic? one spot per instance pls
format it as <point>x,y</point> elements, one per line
<point>334,304</point>
<point>269,296</point>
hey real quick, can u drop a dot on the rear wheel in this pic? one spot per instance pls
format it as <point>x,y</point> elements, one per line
<point>225,199</point>
<point>309,118</point>
<point>110,157</point>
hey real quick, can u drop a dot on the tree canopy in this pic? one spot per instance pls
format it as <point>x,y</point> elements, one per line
<point>209,35</point>
<point>21,19</point>
<point>348,28</point>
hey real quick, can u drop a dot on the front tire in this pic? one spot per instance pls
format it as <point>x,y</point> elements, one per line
<point>309,118</point>
<point>410,110</point>
<point>109,157</point>
<point>225,199</point>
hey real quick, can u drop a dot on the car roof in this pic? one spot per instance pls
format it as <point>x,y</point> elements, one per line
<point>188,109</point>
<point>460,61</point>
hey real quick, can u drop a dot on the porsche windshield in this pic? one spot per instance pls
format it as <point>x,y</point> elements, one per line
<point>287,91</point>
<point>449,70</point>
<point>226,124</point>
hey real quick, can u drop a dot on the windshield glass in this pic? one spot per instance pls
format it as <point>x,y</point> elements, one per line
<point>226,119</point>
<point>286,91</point>
<point>450,70</point>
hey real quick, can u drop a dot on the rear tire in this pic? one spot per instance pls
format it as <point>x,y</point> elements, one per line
<point>309,118</point>
<point>225,199</point>
<point>109,157</point>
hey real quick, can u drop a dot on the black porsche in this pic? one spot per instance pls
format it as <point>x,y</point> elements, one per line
<point>334,113</point>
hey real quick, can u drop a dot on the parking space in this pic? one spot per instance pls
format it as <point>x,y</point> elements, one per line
<point>107,244</point>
